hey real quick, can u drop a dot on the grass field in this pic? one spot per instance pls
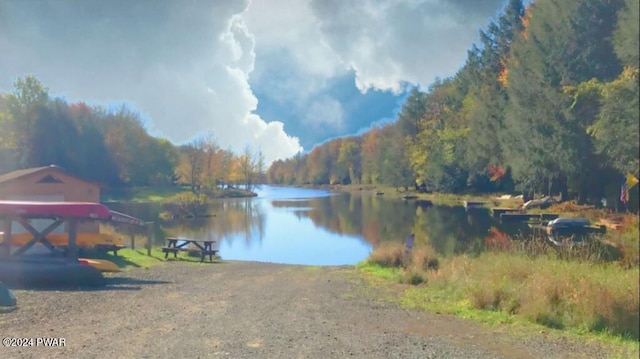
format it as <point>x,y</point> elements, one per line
<point>577,297</point>
<point>142,194</point>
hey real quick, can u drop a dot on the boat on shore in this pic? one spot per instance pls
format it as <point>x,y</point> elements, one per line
<point>524,217</point>
<point>571,231</point>
<point>102,265</point>
<point>497,211</point>
<point>409,196</point>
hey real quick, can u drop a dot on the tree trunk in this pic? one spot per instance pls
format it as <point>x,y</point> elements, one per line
<point>562,188</point>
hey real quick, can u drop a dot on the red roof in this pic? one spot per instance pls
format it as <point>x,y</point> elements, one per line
<point>80,210</point>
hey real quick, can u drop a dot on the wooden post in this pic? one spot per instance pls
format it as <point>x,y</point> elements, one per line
<point>150,237</point>
<point>72,250</point>
<point>132,239</point>
<point>6,237</point>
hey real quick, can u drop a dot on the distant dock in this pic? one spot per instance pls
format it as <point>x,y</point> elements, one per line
<point>496,211</point>
<point>610,224</point>
<point>524,217</point>
<point>473,204</point>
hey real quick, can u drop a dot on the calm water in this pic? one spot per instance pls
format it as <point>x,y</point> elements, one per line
<point>316,227</point>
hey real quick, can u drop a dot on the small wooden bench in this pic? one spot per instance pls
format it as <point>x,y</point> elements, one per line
<point>109,248</point>
<point>202,247</point>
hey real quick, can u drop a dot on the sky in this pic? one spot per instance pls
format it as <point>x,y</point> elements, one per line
<point>277,75</point>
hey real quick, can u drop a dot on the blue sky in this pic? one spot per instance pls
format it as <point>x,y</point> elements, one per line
<point>278,75</point>
<point>358,113</point>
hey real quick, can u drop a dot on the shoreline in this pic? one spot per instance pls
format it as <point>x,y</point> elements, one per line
<point>161,194</point>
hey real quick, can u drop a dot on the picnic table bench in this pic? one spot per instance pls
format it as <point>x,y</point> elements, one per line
<point>175,245</point>
<point>109,248</point>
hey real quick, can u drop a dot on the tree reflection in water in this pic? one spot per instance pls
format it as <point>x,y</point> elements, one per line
<point>328,225</point>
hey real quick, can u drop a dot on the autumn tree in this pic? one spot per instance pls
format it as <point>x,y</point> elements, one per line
<point>251,165</point>
<point>348,162</point>
<point>369,151</point>
<point>25,104</point>
<point>392,159</point>
<point>194,158</point>
<point>212,162</point>
<point>318,162</point>
<point>8,143</point>
<point>487,76</point>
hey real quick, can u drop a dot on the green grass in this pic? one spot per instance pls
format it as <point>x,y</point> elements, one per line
<point>160,194</point>
<point>132,258</point>
<point>566,297</point>
<point>376,270</point>
<point>142,194</point>
<point>137,258</point>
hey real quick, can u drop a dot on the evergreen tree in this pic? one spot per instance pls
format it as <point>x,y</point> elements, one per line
<point>485,69</point>
<point>563,44</point>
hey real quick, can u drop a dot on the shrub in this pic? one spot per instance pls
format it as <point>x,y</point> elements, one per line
<point>187,205</point>
<point>497,240</point>
<point>626,240</point>
<point>413,276</point>
<point>424,258</point>
<point>388,254</point>
<point>414,262</point>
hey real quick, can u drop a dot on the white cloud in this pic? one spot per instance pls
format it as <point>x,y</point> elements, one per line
<point>271,139</point>
<point>325,114</point>
<point>390,43</point>
<point>185,65</point>
<point>290,26</point>
<point>387,43</point>
<point>193,66</point>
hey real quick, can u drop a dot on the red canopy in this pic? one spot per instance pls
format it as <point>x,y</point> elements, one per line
<point>80,210</point>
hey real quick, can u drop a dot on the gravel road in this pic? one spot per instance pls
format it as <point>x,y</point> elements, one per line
<point>255,310</point>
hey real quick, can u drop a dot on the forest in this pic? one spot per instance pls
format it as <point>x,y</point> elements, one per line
<point>546,103</point>
<point>110,146</point>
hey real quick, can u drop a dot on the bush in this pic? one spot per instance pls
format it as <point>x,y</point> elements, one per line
<point>424,258</point>
<point>414,263</point>
<point>388,254</point>
<point>186,205</point>
<point>413,276</point>
<point>626,240</point>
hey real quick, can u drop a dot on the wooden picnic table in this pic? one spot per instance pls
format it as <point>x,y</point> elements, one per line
<point>175,245</point>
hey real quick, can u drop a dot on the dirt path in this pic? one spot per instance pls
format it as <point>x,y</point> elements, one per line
<point>254,310</point>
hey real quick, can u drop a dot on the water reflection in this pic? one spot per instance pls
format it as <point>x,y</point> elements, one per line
<point>302,226</point>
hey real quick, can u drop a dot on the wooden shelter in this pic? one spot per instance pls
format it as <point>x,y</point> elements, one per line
<point>48,184</point>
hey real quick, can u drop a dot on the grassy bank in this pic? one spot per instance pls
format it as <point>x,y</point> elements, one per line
<point>492,200</point>
<point>137,258</point>
<point>160,194</point>
<point>142,194</point>
<point>577,297</point>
